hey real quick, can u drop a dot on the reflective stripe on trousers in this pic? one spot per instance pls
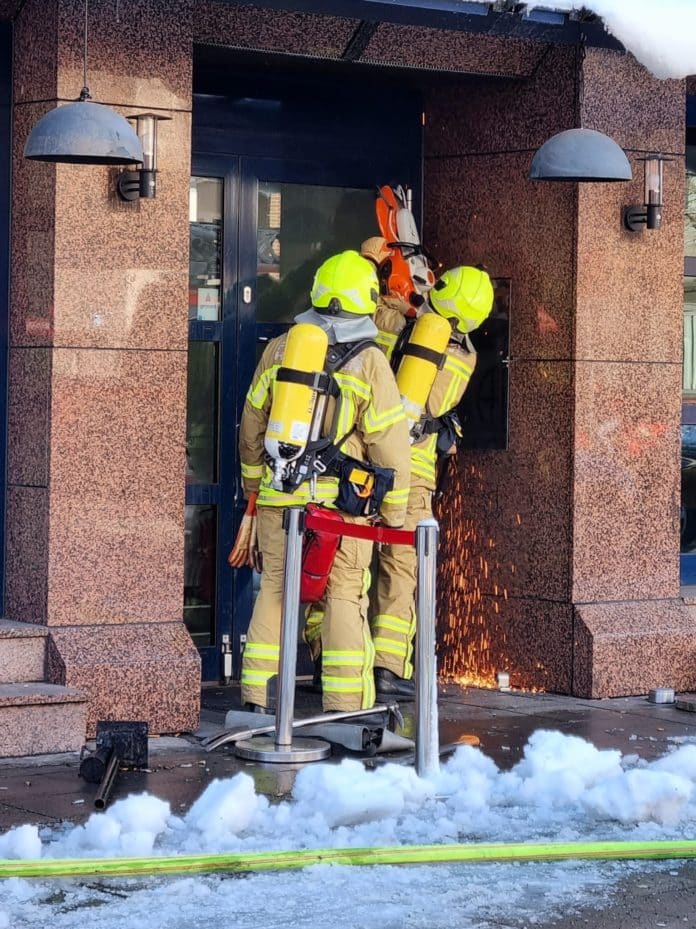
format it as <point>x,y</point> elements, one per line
<point>394,622</point>
<point>347,679</point>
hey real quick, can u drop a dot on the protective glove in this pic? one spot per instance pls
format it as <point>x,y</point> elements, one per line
<point>245,544</point>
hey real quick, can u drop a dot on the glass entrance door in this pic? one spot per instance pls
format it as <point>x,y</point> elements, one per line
<point>259,228</point>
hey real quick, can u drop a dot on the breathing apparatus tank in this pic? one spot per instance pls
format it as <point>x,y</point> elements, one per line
<point>299,399</point>
<point>420,361</point>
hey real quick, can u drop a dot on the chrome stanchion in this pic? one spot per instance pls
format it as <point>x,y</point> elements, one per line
<point>282,747</point>
<point>427,737</point>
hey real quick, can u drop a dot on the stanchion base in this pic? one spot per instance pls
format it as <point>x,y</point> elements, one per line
<point>263,748</point>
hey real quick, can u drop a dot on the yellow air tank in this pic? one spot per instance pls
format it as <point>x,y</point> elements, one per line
<point>420,363</point>
<point>294,403</point>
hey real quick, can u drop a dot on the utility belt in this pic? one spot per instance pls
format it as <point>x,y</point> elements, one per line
<point>448,428</point>
<point>362,486</point>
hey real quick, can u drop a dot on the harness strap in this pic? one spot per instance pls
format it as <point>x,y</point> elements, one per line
<point>317,380</point>
<point>427,354</point>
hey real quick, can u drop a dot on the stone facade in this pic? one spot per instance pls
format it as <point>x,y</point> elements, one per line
<point>560,554</point>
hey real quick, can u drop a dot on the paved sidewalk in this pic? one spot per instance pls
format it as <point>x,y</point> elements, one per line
<point>48,790</point>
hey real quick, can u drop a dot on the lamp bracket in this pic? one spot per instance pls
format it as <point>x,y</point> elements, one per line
<point>637,218</point>
<point>128,185</point>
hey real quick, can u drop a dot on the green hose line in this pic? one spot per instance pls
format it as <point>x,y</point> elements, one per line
<point>401,854</point>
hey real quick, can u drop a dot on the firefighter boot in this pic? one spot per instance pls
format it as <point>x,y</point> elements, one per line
<point>388,684</point>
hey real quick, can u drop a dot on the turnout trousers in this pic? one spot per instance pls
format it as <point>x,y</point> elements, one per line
<point>394,621</point>
<point>348,653</point>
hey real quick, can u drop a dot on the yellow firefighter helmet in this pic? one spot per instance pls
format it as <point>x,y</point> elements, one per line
<point>346,284</point>
<point>463,295</point>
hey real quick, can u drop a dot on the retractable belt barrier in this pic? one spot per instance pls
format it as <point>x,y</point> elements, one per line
<point>373,533</point>
<point>283,747</point>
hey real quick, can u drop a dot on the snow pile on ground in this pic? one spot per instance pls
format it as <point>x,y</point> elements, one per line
<point>563,789</point>
<point>660,33</point>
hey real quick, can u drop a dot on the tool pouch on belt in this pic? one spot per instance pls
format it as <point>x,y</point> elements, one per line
<point>318,554</point>
<point>361,486</point>
<point>449,433</point>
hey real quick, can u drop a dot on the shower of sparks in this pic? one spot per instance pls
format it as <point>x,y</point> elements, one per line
<point>472,634</point>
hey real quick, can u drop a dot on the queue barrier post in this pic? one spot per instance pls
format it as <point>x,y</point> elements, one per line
<point>282,747</point>
<point>427,735</point>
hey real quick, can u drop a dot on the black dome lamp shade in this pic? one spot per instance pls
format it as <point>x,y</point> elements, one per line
<point>580,155</point>
<point>84,133</point>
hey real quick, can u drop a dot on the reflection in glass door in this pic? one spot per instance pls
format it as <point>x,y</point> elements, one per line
<point>687,514</point>
<point>203,497</point>
<point>298,226</point>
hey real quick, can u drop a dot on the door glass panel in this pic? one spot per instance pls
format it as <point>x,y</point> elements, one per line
<point>483,409</point>
<point>690,215</point>
<point>200,533</point>
<point>688,429</point>
<point>205,255</point>
<point>202,413</point>
<point>298,227</point>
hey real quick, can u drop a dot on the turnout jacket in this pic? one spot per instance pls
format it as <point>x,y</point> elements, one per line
<point>448,389</point>
<point>368,400</point>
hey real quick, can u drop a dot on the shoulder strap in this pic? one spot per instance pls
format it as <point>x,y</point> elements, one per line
<point>401,343</point>
<point>336,358</point>
<point>341,353</point>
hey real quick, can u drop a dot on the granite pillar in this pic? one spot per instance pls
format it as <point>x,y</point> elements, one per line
<point>560,553</point>
<point>98,336</point>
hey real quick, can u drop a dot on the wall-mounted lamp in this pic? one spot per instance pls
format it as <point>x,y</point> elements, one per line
<point>580,155</point>
<point>142,183</point>
<point>83,133</point>
<point>649,215</point>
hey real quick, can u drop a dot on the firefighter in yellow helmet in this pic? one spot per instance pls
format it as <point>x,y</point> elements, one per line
<point>464,297</point>
<point>363,416</point>
<point>389,319</point>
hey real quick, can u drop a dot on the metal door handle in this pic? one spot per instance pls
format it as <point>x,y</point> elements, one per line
<point>246,294</point>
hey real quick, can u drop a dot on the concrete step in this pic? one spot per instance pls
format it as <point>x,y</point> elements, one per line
<point>22,652</point>
<point>40,719</point>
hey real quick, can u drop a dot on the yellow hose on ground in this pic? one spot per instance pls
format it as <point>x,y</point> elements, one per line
<point>395,855</point>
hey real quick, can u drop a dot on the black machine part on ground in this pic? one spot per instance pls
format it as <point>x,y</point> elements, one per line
<point>117,743</point>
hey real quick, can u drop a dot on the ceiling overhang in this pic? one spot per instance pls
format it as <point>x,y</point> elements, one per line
<point>502,18</point>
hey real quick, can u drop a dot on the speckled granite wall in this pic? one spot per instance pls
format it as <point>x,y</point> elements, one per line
<point>509,607</point>
<point>582,510</point>
<point>245,26</point>
<point>98,371</point>
<point>8,8</point>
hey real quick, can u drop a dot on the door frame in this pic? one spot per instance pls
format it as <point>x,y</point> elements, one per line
<point>237,334</point>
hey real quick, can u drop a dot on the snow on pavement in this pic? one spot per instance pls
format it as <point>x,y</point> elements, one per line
<point>563,789</point>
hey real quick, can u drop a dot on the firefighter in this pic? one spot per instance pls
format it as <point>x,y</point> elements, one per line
<point>464,297</point>
<point>363,417</point>
<point>391,310</point>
